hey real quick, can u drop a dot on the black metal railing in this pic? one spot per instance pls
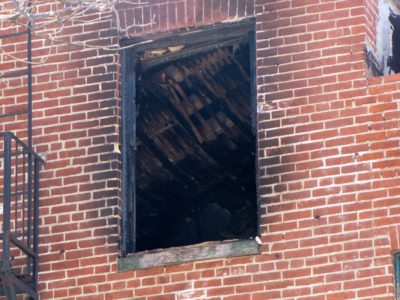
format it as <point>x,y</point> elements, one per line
<point>20,215</point>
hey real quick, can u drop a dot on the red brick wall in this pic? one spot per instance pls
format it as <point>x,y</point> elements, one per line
<point>329,160</point>
<point>371,18</point>
<point>160,15</point>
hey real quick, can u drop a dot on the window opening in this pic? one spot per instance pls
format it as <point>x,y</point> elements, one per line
<point>194,161</point>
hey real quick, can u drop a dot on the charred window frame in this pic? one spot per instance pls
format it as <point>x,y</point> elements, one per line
<point>209,39</point>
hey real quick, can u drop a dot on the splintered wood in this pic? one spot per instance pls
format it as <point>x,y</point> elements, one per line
<point>193,102</point>
<point>195,143</point>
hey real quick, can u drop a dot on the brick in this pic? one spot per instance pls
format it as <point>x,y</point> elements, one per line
<point>327,145</point>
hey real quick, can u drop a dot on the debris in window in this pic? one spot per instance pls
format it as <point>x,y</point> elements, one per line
<point>162,51</point>
<point>195,157</point>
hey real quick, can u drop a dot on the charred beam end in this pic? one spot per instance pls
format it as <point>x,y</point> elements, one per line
<point>177,255</point>
<point>150,63</point>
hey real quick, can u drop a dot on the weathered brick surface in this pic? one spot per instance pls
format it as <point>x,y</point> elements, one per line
<point>371,18</point>
<point>162,16</point>
<point>328,157</point>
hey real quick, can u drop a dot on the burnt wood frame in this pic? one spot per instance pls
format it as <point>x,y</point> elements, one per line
<point>196,41</point>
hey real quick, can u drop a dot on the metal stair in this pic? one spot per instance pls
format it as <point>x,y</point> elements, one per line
<point>19,197</point>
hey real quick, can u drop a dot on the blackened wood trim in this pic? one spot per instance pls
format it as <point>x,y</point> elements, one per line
<point>254,117</point>
<point>128,62</point>
<point>217,32</point>
<point>178,255</point>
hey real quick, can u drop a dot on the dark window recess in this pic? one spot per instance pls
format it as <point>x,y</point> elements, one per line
<point>396,267</point>
<point>394,59</point>
<point>195,152</point>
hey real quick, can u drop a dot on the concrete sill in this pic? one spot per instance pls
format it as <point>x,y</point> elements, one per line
<point>178,255</point>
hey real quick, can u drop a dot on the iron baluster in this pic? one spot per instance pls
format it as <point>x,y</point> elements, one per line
<point>16,189</point>
<point>36,224</point>
<point>6,258</point>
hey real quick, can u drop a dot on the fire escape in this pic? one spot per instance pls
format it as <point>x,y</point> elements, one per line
<point>19,194</point>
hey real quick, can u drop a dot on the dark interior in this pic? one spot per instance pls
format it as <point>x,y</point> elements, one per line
<point>195,156</point>
<point>394,60</point>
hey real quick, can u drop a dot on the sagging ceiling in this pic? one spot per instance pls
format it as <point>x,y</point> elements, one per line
<point>195,158</point>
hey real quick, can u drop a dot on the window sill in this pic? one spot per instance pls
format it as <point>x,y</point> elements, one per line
<point>177,255</point>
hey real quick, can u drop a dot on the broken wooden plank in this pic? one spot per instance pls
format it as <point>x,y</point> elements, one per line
<point>178,255</point>
<point>151,62</point>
